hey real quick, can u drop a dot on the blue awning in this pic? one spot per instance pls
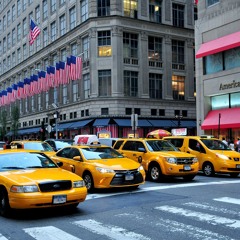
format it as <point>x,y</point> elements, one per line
<point>28,130</point>
<point>144,123</point>
<point>161,123</point>
<point>127,122</point>
<point>185,123</point>
<point>63,126</point>
<point>80,124</point>
<point>101,122</point>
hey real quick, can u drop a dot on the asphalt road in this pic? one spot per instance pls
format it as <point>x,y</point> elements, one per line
<point>205,208</point>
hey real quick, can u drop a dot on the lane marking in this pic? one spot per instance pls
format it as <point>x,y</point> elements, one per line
<point>113,232</point>
<point>147,189</point>
<point>204,217</point>
<point>228,200</point>
<point>49,233</point>
<point>2,237</point>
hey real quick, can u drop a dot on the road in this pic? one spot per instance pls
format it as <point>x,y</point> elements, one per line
<point>205,208</point>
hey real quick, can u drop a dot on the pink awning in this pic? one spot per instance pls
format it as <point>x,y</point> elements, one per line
<point>219,45</point>
<point>229,118</point>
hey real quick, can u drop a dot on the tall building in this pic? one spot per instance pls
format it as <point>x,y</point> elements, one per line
<point>137,58</point>
<point>217,39</point>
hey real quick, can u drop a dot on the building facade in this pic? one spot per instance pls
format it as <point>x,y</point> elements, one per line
<point>137,58</point>
<point>217,40</point>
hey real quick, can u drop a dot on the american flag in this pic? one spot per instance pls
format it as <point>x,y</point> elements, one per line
<point>63,73</point>
<point>52,75</point>
<point>34,32</point>
<point>68,68</point>
<point>57,75</point>
<point>44,83</point>
<point>14,91</point>
<point>76,68</point>
<point>20,90</point>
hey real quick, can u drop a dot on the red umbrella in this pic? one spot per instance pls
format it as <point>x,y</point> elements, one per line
<point>159,133</point>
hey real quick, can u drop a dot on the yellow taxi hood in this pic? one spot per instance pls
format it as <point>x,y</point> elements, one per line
<point>28,176</point>
<point>228,153</point>
<point>117,164</point>
<point>177,154</point>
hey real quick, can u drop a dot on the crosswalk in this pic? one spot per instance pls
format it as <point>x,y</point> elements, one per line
<point>186,219</point>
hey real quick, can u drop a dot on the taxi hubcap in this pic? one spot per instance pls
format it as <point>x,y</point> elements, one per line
<point>88,181</point>
<point>155,173</point>
<point>208,170</point>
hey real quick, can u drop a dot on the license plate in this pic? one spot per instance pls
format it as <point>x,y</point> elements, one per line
<point>58,199</point>
<point>129,177</point>
<point>187,168</point>
<point>238,166</point>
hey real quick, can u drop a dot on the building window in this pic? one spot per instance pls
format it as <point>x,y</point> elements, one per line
<point>184,113</point>
<point>14,59</point>
<point>130,83</point>
<point>53,31</point>
<point>62,20</point>
<point>82,113</point>
<point>45,37</point>
<point>61,2</point>
<point>153,112</point>
<point>72,17</point>
<point>74,49</point>
<point>104,44</point>
<point>13,13</point>
<point>195,15</point>
<point>74,91</point>
<point>63,55</point>
<point>19,8</point>
<point>86,83</point>
<point>4,23</point>
<point>137,111</point>
<point>87,112</point>
<point>53,6</point>
<point>9,41</point>
<point>104,83</point>
<point>178,15</point>
<point>155,85</point>
<point>84,10</point>
<point>85,50</point>
<point>130,47</point>
<point>13,36</point>
<point>154,49</point>
<point>161,112</point>
<point>178,87</point>
<point>103,8</point>
<point>8,18</point>
<point>104,111</point>
<point>130,8</point>
<point>178,54</point>
<point>211,2</point>
<point>155,11</point>
<point>64,92</point>
<point>24,51</point>
<point>24,5</point>
<point>37,14</point>
<point>71,115</point>
<point>45,9</point>
<point>128,111</point>
<point>19,33</point>
<point>19,55</point>
<point>25,29</point>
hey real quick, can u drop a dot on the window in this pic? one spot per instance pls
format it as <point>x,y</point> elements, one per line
<point>104,81</point>
<point>9,41</point>
<point>45,37</point>
<point>53,31</point>
<point>104,111</point>
<point>4,23</point>
<point>130,83</point>
<point>155,85</point>
<point>155,11</point>
<point>8,18</point>
<point>128,111</point>
<point>211,2</point>
<point>161,112</point>
<point>74,91</point>
<point>19,55</point>
<point>13,13</point>
<point>25,29</point>
<point>85,44</point>
<point>178,15</point>
<point>14,59</point>
<point>72,16</point>
<point>45,9</point>
<point>82,113</point>
<point>137,111</point>
<point>84,10</point>
<point>184,113</point>
<point>153,112</point>
<point>62,25</point>
<point>74,49</point>
<point>130,8</point>
<point>130,45</point>
<point>64,92</point>
<point>61,2</point>
<point>177,54</point>
<point>63,55</point>
<point>19,33</point>
<point>53,6</point>
<point>104,44</point>
<point>37,14</point>
<point>86,83</point>
<point>154,49</point>
<point>24,5</point>
<point>19,8</point>
<point>103,7</point>
<point>178,87</point>
<point>24,51</point>
<point>4,45</point>
<point>87,112</point>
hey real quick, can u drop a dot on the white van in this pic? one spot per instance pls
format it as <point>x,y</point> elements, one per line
<point>85,139</point>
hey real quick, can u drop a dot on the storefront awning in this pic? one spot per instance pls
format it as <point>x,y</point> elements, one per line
<point>127,122</point>
<point>185,123</point>
<point>28,130</point>
<point>219,45</point>
<point>80,124</point>
<point>161,123</point>
<point>101,122</point>
<point>64,126</point>
<point>229,118</point>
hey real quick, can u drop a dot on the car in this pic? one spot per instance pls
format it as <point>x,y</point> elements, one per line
<point>101,166</point>
<point>213,155</point>
<point>30,179</point>
<point>57,144</point>
<point>159,158</point>
<point>33,145</point>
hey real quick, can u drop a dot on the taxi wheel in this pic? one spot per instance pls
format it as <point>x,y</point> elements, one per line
<point>208,169</point>
<point>155,173</point>
<point>234,175</point>
<point>4,203</point>
<point>87,177</point>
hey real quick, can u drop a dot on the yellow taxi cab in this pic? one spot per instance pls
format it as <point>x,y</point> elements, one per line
<point>213,155</point>
<point>159,158</point>
<point>101,166</point>
<point>33,145</point>
<point>30,179</point>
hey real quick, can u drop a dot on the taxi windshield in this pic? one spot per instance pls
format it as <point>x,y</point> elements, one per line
<point>100,153</point>
<point>23,160</point>
<point>41,146</point>
<point>215,144</point>
<point>160,145</point>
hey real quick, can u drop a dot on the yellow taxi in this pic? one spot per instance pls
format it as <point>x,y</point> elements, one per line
<point>33,145</point>
<point>101,166</point>
<point>159,158</point>
<point>213,155</point>
<point>30,179</point>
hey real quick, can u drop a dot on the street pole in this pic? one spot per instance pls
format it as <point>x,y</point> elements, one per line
<point>219,117</point>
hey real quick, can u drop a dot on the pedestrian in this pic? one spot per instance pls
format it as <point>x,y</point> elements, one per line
<point>238,145</point>
<point>231,145</point>
<point>224,141</point>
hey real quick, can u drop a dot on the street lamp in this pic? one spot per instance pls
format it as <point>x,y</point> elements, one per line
<point>179,117</point>
<point>55,115</point>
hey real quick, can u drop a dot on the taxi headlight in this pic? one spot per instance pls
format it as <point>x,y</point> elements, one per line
<point>105,170</point>
<point>171,160</point>
<point>24,189</point>
<point>224,157</point>
<point>140,168</point>
<point>78,184</point>
<point>195,160</point>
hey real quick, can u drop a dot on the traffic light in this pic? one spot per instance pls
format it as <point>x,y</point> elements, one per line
<point>52,122</point>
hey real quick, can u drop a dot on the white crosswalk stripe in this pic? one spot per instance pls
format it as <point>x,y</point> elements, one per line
<point>109,231</point>
<point>228,200</point>
<point>204,217</point>
<point>49,233</point>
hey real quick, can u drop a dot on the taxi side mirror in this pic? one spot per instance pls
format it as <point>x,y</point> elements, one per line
<point>77,158</point>
<point>60,164</point>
